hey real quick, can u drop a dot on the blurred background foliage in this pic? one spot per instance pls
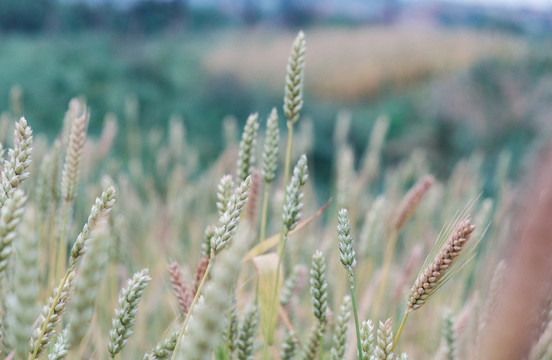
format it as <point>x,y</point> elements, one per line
<point>454,79</point>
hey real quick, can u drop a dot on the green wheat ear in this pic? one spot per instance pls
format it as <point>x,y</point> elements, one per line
<point>248,144</point>
<point>293,203</point>
<point>293,97</point>
<point>342,326</point>
<point>271,148</point>
<point>123,321</point>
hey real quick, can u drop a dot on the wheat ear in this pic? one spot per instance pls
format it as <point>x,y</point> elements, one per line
<point>449,337</point>
<point>60,347</point>
<point>20,306</point>
<point>246,154</point>
<point>406,209</point>
<point>384,344</point>
<point>411,200</point>
<point>51,315</point>
<point>339,346</point>
<point>10,216</point>
<point>271,151</point>
<point>447,257</point>
<point>70,176</point>
<point>438,271</point>
<point>348,260</point>
<point>367,339</point>
<point>246,337</point>
<point>181,289</point>
<point>19,159</point>
<point>271,147</point>
<point>293,98</point>
<point>224,192</point>
<point>319,296</point>
<point>164,349</point>
<point>123,321</point>
<point>228,222</point>
<point>289,346</point>
<point>293,203</point>
<point>102,206</point>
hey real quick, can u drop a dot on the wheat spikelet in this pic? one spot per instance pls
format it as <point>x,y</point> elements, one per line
<point>411,200</point>
<point>293,97</point>
<point>271,147</point>
<point>123,321</point>
<point>71,168</point>
<point>181,289</point>
<point>436,273</point>
<point>246,154</point>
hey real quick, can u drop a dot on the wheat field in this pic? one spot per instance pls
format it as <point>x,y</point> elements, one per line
<point>244,261</point>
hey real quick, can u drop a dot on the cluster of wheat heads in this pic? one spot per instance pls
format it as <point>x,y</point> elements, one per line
<point>242,266</point>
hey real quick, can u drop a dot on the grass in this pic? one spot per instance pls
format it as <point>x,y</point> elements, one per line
<point>206,231</point>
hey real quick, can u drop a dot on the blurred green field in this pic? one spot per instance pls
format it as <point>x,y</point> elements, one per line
<point>451,91</point>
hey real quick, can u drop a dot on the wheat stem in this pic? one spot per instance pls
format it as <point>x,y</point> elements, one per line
<point>264,213</point>
<point>401,327</point>
<point>355,313</point>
